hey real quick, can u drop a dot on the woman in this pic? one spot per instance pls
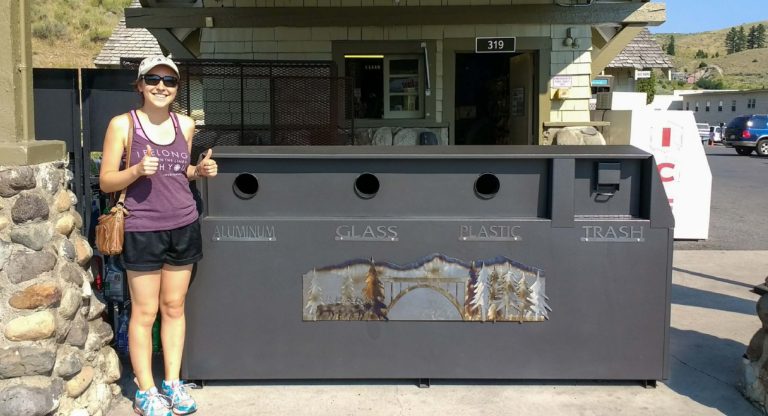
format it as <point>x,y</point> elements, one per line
<point>162,232</point>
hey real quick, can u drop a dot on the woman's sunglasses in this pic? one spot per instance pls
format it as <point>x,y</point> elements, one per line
<point>168,80</point>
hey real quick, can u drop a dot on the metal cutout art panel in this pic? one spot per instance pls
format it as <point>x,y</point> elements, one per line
<point>435,288</point>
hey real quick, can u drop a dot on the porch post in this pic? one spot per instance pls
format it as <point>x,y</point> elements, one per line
<point>17,125</point>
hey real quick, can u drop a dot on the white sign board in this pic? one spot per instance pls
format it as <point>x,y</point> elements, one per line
<point>562,81</point>
<point>642,74</point>
<point>673,139</point>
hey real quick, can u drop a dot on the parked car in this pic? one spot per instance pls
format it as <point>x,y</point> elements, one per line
<point>747,133</point>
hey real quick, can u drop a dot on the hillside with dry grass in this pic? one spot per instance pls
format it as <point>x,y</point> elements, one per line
<point>742,70</point>
<point>70,33</point>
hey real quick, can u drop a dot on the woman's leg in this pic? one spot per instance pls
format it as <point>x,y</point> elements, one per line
<point>173,292</point>
<point>145,294</point>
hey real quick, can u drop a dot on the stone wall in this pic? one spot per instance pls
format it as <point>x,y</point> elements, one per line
<point>54,352</point>
<point>756,360</point>
<point>397,136</point>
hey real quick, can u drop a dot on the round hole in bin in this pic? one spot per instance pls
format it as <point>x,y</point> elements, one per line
<point>366,185</point>
<point>245,186</point>
<point>487,186</point>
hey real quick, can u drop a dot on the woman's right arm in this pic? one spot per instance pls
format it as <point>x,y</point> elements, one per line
<point>111,178</point>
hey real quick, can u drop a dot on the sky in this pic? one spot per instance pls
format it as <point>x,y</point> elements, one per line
<point>693,16</point>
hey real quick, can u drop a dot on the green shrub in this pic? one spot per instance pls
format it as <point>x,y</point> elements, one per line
<point>98,34</point>
<point>48,29</point>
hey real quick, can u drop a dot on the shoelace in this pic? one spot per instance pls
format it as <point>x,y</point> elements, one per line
<point>181,392</point>
<point>164,401</point>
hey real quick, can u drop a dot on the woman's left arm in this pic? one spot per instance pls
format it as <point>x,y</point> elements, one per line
<point>205,167</point>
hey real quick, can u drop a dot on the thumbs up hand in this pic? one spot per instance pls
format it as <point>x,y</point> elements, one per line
<point>148,165</point>
<point>206,166</point>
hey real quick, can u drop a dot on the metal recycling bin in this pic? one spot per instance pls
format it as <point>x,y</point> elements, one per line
<point>432,262</point>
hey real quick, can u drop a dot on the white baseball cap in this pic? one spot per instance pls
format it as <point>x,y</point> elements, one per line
<point>152,61</point>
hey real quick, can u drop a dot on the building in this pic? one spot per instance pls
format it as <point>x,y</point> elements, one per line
<point>470,71</point>
<point>716,107</point>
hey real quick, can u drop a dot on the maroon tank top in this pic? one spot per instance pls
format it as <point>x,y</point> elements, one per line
<point>162,201</point>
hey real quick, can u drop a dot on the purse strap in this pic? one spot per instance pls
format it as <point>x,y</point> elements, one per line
<point>121,200</point>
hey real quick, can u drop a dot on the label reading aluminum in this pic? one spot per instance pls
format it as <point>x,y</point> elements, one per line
<point>494,45</point>
<point>250,232</point>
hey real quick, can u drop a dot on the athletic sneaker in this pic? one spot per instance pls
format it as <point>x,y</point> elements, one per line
<point>152,403</point>
<point>182,402</point>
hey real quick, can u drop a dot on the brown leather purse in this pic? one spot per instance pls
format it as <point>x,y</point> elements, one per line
<point>110,230</point>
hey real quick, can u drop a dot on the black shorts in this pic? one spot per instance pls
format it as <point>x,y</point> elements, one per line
<point>150,250</point>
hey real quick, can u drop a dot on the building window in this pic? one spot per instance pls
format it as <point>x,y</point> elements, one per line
<point>387,86</point>
<point>720,106</point>
<point>706,108</point>
<point>733,106</point>
<point>751,103</point>
<point>696,108</point>
<point>687,106</point>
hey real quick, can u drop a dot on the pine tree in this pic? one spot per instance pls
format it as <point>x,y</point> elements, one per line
<point>671,46</point>
<point>347,291</point>
<point>751,37</point>
<point>481,293</point>
<point>730,41</point>
<point>494,295</point>
<point>523,293</point>
<point>374,294</point>
<point>469,294</point>
<point>760,36</point>
<point>741,40</point>
<point>314,298</point>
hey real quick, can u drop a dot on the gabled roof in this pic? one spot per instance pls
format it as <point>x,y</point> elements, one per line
<point>127,43</point>
<point>640,53</point>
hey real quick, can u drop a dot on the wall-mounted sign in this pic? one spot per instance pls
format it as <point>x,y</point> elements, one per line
<point>642,74</point>
<point>562,81</point>
<point>494,45</point>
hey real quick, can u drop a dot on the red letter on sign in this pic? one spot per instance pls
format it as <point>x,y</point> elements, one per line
<point>663,166</point>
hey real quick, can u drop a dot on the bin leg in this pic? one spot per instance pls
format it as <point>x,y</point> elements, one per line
<point>198,384</point>
<point>649,384</point>
<point>423,383</point>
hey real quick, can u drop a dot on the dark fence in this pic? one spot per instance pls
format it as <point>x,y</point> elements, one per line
<point>233,103</point>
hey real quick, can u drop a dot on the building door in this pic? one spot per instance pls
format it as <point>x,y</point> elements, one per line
<point>494,99</point>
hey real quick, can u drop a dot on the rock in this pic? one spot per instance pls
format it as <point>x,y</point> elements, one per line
<point>62,201</point>
<point>382,137</point>
<point>50,178</point>
<point>83,250</point>
<point>12,181</point>
<point>70,303</point>
<point>578,136</point>
<point>39,325</point>
<point>406,137</point>
<point>35,296</point>
<point>26,361</point>
<point>79,412</point>
<point>762,310</point>
<point>64,247</point>
<point>99,335</point>
<point>29,207</point>
<point>6,249</point>
<point>109,364</point>
<point>65,224</point>
<point>78,333</point>
<point>78,219</point>
<point>73,273</point>
<point>98,397</point>
<point>4,221</point>
<point>33,236</point>
<point>756,345</point>
<point>68,362</point>
<point>77,385</point>
<point>22,400</point>
<point>24,266</point>
<point>96,308</point>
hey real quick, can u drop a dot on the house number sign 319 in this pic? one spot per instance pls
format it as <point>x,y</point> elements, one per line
<point>494,45</point>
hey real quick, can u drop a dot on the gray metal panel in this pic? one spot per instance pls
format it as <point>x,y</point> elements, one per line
<point>561,197</point>
<point>609,294</point>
